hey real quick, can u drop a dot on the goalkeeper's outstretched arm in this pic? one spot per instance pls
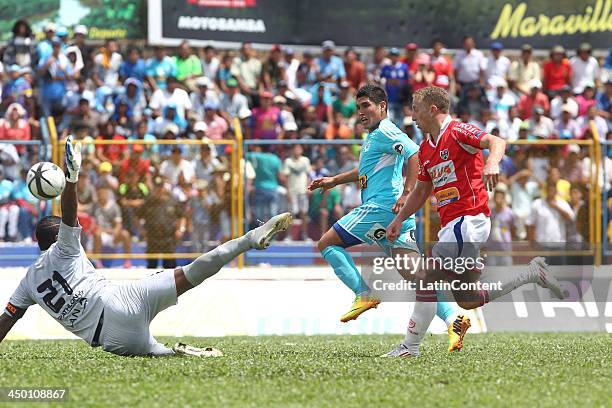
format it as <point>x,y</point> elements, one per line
<point>7,322</point>
<point>69,195</point>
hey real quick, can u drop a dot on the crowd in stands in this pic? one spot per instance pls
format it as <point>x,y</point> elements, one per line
<point>168,194</point>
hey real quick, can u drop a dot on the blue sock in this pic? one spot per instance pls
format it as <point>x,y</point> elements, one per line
<point>345,268</point>
<point>446,310</point>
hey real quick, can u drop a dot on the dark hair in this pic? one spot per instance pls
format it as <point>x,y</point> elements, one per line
<point>208,48</point>
<point>373,92</point>
<point>24,23</point>
<point>47,230</point>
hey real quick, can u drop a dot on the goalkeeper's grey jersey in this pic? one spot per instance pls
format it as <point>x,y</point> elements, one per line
<point>65,284</point>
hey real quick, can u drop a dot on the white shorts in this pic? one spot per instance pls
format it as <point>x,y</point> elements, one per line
<point>463,237</point>
<point>299,204</point>
<point>128,311</point>
<point>107,239</point>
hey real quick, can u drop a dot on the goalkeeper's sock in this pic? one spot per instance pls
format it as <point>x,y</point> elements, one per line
<point>211,262</point>
<point>422,315</point>
<point>344,267</point>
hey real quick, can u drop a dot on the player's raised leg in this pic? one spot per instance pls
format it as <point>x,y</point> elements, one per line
<point>208,264</point>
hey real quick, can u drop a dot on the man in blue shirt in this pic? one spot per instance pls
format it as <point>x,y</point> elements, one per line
<point>133,66</point>
<point>395,77</point>
<point>55,71</point>
<point>331,67</point>
<point>383,193</point>
<point>159,68</point>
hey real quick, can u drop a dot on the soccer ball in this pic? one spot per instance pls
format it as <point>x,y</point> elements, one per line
<point>45,180</point>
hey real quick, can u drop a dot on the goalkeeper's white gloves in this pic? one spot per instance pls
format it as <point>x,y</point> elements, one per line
<point>72,159</point>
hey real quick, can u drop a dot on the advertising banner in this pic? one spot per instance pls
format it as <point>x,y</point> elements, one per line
<point>541,23</point>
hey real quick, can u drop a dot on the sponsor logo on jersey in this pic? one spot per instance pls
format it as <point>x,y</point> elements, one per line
<point>447,196</point>
<point>398,147</point>
<point>363,182</point>
<point>444,154</point>
<point>12,309</point>
<point>442,173</point>
<point>376,233</point>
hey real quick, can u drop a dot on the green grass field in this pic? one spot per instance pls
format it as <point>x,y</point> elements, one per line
<point>513,369</point>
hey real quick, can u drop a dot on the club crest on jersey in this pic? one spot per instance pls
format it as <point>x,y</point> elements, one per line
<point>444,154</point>
<point>398,147</point>
<point>363,182</point>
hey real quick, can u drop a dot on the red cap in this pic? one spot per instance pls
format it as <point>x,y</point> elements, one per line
<point>138,148</point>
<point>276,47</point>
<point>266,94</point>
<point>411,46</point>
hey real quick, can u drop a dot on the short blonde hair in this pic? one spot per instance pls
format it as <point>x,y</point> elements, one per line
<point>434,95</point>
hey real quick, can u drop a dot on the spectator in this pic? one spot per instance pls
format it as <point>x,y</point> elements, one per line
<point>547,222</point>
<point>206,162</point>
<point>233,104</point>
<point>290,66</point>
<point>174,95</point>
<point>266,121</point>
<point>565,100</point>
<point>28,207</point>
<point>524,71</point>
<point>9,211</point>
<point>54,70</point>
<point>330,66</point>
<point>224,73</point>
<point>535,97</point>
<point>112,153</point>
<point>107,64</point>
<point>133,66</point>
<point>339,128</point>
<point>44,49</point>
<point>220,194</point>
<point>501,100</point>
<point>164,224</point>
<point>286,112</point>
<point>205,93</point>
<point>442,66</point>
<point>345,103</point>
<point>562,185</point>
<point>310,127</point>
<point>424,75</point>
<point>585,68</point>
<point>84,116</point>
<point>201,205</point>
<point>344,161</point>
<point>216,126</point>
<point>396,78</point>
<point>604,99</point>
<point>15,126</point>
<point>586,99</point>
<point>379,60</point>
<point>273,68</point>
<point>325,209</point>
<point>106,178</point>
<point>188,65</point>
<point>87,194</point>
<point>16,89</point>
<point>210,63</point>
<point>20,48</point>
<point>524,190</point>
<point>307,73</point>
<point>296,169</point>
<point>247,70</point>
<point>497,65</point>
<point>135,164</point>
<point>503,227</point>
<point>267,168</point>
<point>85,53</point>
<point>355,69</point>
<point>578,231</point>
<point>170,117</point>
<point>567,127</point>
<point>132,195</point>
<point>73,96</point>
<point>109,230</point>
<point>159,68</point>
<point>412,51</point>
<point>572,169</point>
<point>473,100</point>
<point>469,64</point>
<point>557,72</point>
<point>134,96</point>
<point>601,125</point>
<point>322,102</point>
<point>540,126</point>
<point>176,166</point>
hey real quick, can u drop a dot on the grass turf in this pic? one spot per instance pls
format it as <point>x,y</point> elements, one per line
<point>519,369</point>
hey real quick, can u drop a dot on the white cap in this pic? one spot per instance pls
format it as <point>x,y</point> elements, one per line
<point>200,127</point>
<point>80,29</point>
<point>51,27</point>
<point>202,81</point>
<point>573,148</point>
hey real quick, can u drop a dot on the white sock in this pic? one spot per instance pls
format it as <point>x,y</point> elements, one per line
<point>211,262</point>
<point>509,282</point>
<point>422,315</point>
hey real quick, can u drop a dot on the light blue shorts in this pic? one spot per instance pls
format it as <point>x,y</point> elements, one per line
<point>367,224</point>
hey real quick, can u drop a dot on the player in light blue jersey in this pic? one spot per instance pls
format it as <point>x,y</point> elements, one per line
<point>383,193</point>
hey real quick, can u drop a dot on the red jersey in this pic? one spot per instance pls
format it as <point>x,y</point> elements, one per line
<point>454,166</point>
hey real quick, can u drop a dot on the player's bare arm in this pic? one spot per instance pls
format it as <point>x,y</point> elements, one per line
<point>7,321</point>
<point>414,201</point>
<point>69,195</point>
<point>327,183</point>
<point>411,178</point>
<point>497,148</point>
